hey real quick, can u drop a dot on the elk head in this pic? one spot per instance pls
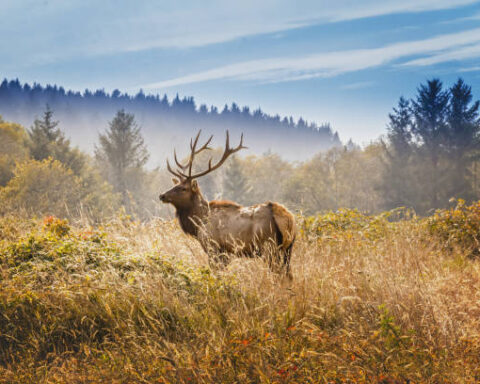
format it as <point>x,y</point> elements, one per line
<point>186,188</point>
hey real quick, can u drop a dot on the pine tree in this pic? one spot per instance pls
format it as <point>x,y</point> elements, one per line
<point>235,185</point>
<point>464,130</point>
<point>399,128</point>
<point>43,134</point>
<point>430,129</point>
<point>397,179</point>
<point>123,152</point>
<point>47,140</point>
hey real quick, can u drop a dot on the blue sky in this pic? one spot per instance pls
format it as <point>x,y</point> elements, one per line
<point>344,62</point>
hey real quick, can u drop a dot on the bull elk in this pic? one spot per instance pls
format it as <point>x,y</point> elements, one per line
<point>225,228</point>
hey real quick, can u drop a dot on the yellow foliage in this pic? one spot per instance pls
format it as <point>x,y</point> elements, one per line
<point>13,138</point>
<point>13,148</point>
<point>375,299</point>
<point>41,187</point>
<point>458,226</point>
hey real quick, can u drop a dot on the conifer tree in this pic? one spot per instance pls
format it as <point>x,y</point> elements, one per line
<point>47,140</point>
<point>430,129</point>
<point>464,129</point>
<point>123,153</point>
<point>397,178</point>
<point>43,133</point>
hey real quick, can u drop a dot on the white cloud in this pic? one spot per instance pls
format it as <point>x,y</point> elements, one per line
<point>334,63</point>
<point>357,85</point>
<point>356,9</point>
<point>455,54</point>
<point>470,69</point>
<point>64,29</point>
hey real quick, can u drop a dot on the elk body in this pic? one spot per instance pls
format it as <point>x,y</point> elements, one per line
<point>225,228</point>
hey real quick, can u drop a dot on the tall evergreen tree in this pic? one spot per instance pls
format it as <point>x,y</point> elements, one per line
<point>43,133</point>
<point>400,128</point>
<point>397,179</point>
<point>430,129</point>
<point>47,140</point>
<point>464,129</point>
<point>123,151</point>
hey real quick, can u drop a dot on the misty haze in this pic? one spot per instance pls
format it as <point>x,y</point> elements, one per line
<point>165,123</point>
<point>240,192</point>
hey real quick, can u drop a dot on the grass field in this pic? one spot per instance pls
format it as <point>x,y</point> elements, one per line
<point>373,300</point>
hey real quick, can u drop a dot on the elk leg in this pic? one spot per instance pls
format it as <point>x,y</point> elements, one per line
<point>287,254</point>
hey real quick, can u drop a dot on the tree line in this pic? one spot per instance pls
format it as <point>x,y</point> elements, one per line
<point>14,95</point>
<point>428,156</point>
<point>163,120</point>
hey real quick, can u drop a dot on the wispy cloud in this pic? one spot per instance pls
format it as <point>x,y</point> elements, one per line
<point>89,27</point>
<point>470,69</point>
<point>334,63</point>
<point>364,9</point>
<point>357,85</point>
<point>455,54</point>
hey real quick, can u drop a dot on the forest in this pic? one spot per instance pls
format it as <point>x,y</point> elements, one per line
<point>165,122</point>
<point>428,156</point>
<point>98,283</point>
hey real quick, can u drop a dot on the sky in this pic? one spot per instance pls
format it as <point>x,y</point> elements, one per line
<point>345,62</point>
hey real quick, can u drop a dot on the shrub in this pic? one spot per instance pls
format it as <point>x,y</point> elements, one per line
<point>13,139</point>
<point>353,223</point>
<point>41,187</point>
<point>458,226</point>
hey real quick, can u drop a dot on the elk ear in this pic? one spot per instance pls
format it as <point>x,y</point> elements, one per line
<point>175,181</point>
<point>194,186</point>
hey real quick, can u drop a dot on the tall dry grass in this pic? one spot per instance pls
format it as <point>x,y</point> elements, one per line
<point>371,302</point>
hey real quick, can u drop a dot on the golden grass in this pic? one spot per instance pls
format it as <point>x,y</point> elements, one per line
<point>130,302</point>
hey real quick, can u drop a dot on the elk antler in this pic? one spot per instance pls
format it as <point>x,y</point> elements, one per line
<point>193,151</point>
<point>182,168</point>
<point>228,151</point>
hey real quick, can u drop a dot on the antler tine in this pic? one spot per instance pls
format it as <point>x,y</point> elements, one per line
<point>179,174</point>
<point>241,146</point>
<point>227,141</point>
<point>195,151</point>
<point>236,149</point>
<point>182,168</point>
<point>180,165</point>
<point>227,152</point>
<point>202,148</point>
<point>194,144</point>
<point>205,146</point>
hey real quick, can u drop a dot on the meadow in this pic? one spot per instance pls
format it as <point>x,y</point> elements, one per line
<point>391,298</point>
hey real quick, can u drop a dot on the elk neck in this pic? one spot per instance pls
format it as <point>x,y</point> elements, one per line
<point>194,215</point>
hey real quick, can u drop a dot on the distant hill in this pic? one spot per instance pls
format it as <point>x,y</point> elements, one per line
<point>165,123</point>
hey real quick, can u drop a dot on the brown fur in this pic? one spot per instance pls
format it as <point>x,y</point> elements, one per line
<point>223,226</point>
<point>285,223</point>
<point>223,204</point>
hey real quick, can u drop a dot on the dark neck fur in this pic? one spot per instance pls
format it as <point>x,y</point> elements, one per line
<point>190,218</point>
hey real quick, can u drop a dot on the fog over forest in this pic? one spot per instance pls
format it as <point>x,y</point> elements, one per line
<point>165,123</point>
<point>428,155</point>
